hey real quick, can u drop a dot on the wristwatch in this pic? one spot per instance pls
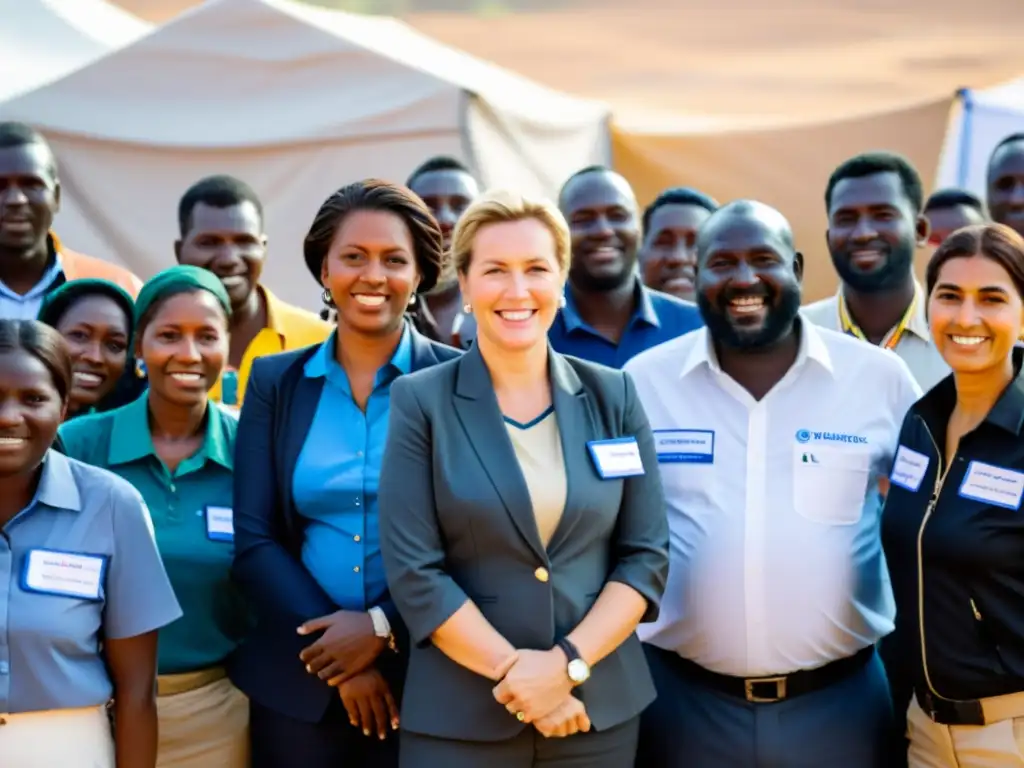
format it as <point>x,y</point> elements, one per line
<point>577,669</point>
<point>382,627</point>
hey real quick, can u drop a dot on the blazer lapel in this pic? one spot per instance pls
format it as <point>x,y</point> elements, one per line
<point>423,355</point>
<point>305,397</point>
<point>575,427</point>
<point>478,411</point>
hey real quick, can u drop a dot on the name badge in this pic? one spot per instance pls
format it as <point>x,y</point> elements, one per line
<point>619,457</point>
<point>685,446</point>
<point>994,485</point>
<point>220,524</point>
<point>65,574</point>
<point>909,468</point>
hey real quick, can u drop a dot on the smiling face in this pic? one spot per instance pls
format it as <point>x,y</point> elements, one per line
<point>31,409</point>
<point>873,231</point>
<point>513,283</point>
<point>95,330</point>
<point>668,256</point>
<point>976,314</point>
<point>370,271</point>
<point>184,344</point>
<point>230,243</point>
<point>603,221</point>
<point>748,283</point>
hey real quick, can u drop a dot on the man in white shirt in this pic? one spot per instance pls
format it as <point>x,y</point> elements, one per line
<point>772,437</point>
<point>875,224</point>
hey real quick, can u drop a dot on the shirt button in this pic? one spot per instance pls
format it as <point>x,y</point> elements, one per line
<point>5,668</point>
<point>173,489</point>
<point>357,502</point>
<point>359,454</point>
<point>356,569</point>
<point>357,537</point>
<point>541,574</point>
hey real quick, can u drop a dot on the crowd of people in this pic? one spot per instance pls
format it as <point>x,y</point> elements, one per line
<point>547,483</point>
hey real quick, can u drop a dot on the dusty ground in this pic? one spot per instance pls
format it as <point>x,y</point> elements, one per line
<point>741,57</point>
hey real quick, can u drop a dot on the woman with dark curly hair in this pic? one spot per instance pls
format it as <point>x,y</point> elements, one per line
<point>325,666</point>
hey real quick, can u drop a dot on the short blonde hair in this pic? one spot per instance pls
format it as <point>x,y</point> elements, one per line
<point>499,206</point>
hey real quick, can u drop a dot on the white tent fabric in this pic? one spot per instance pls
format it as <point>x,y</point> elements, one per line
<point>42,40</point>
<point>296,100</point>
<point>982,119</point>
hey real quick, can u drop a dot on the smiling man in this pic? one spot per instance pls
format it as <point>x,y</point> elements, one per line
<point>771,435</point>
<point>610,315</point>
<point>32,261</point>
<point>875,224</point>
<point>221,223</point>
<point>668,254</point>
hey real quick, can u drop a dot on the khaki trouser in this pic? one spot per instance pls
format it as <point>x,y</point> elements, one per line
<point>71,738</point>
<point>204,722</point>
<point>997,745</point>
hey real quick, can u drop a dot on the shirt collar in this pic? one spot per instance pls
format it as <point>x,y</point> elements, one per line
<point>812,347</point>
<point>918,324</point>
<point>1007,412</point>
<point>323,363</point>
<point>57,486</point>
<point>644,309</point>
<point>273,304</point>
<point>131,439</point>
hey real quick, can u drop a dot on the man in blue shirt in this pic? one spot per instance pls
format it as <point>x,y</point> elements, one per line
<point>609,316</point>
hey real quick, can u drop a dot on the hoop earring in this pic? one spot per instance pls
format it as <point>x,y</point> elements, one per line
<point>467,308</point>
<point>140,369</point>
<point>326,298</point>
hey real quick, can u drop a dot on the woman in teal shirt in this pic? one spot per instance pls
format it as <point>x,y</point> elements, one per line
<point>177,448</point>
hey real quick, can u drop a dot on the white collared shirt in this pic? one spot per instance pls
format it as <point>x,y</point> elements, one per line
<point>773,505</point>
<point>915,346</point>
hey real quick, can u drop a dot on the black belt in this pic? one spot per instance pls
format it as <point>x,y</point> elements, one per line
<point>949,712</point>
<point>768,690</point>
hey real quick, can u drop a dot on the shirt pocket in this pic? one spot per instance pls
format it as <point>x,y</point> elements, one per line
<point>830,483</point>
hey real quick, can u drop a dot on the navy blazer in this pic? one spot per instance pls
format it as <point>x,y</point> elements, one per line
<point>280,404</point>
<point>457,524</point>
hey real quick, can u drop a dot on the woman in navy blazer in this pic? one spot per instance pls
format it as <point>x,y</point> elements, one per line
<point>325,665</point>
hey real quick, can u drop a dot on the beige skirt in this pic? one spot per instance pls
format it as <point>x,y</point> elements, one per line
<point>61,737</point>
<point>203,724</point>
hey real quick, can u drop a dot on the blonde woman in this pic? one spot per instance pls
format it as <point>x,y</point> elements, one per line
<point>522,523</point>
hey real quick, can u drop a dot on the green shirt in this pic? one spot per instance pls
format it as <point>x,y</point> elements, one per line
<point>198,562</point>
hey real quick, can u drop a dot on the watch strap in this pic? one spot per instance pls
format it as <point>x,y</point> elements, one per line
<point>569,649</point>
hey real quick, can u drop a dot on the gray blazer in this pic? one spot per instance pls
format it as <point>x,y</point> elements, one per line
<point>456,524</point>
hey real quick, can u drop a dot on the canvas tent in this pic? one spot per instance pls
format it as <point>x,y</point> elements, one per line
<point>786,165</point>
<point>42,40</point>
<point>982,119</point>
<point>296,100</point>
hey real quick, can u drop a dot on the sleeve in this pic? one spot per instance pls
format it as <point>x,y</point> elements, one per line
<point>274,582</point>
<point>139,596</point>
<point>411,543</point>
<point>641,535</point>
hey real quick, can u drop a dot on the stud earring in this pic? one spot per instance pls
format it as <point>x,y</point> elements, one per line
<point>467,308</point>
<point>325,297</point>
<point>412,300</point>
<point>140,369</point>
<point>561,301</point>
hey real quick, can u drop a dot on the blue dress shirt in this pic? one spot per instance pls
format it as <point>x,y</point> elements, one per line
<point>335,481</point>
<point>657,318</point>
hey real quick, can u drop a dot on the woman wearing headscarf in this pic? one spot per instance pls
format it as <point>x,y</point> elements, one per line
<point>177,448</point>
<point>83,588</point>
<point>95,317</point>
<point>325,666</point>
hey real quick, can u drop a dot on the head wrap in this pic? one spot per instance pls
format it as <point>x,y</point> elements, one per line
<point>56,303</point>
<point>183,278</point>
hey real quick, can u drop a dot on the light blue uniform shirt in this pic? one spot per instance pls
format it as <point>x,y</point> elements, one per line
<point>16,306</point>
<point>335,481</point>
<point>50,644</point>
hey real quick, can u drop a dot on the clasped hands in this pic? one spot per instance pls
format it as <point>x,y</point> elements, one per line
<point>536,689</point>
<point>343,657</point>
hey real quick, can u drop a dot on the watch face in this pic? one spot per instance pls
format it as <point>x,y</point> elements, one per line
<point>579,670</point>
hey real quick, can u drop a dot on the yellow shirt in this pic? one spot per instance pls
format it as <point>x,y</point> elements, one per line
<point>287,328</point>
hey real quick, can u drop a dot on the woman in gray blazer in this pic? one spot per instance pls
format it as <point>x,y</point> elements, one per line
<point>522,524</point>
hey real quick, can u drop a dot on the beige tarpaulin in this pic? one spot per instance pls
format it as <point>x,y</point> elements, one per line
<point>787,167</point>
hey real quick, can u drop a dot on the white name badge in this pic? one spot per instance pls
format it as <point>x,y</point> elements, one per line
<point>685,446</point>
<point>994,485</point>
<point>67,574</point>
<point>909,468</point>
<point>619,457</point>
<point>220,524</point>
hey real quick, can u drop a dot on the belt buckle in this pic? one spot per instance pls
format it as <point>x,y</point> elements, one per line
<point>780,689</point>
